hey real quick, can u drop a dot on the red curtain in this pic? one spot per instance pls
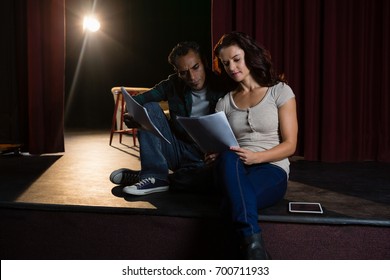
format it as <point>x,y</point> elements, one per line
<point>335,55</point>
<point>41,74</point>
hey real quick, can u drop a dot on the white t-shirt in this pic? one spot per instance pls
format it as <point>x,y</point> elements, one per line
<point>257,128</point>
<point>200,105</point>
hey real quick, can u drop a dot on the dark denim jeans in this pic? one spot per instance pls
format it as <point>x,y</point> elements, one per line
<point>247,188</point>
<point>157,155</point>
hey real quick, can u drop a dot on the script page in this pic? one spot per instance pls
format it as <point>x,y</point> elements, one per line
<point>140,115</point>
<point>212,132</point>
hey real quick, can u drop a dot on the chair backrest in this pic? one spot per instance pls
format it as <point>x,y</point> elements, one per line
<point>116,91</point>
<point>130,90</point>
<point>117,94</point>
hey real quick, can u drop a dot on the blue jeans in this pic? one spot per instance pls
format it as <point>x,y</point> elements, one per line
<point>247,188</point>
<point>157,155</point>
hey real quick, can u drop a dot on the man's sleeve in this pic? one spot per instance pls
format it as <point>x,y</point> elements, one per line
<point>156,94</point>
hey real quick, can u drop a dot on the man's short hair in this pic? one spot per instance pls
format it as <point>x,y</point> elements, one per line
<point>182,49</point>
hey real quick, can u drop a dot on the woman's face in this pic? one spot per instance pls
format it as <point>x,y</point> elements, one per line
<point>233,60</point>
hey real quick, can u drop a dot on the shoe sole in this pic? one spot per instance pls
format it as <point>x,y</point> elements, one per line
<point>145,192</point>
<point>114,174</point>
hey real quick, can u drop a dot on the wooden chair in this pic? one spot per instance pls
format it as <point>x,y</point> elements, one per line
<point>117,125</point>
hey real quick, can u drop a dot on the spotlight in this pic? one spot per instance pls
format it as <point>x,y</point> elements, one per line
<point>91,24</point>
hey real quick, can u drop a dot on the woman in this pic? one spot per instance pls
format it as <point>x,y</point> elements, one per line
<point>262,113</point>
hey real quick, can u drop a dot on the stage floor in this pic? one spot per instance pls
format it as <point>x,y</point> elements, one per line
<point>78,180</point>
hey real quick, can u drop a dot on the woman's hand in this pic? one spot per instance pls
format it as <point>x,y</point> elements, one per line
<point>247,157</point>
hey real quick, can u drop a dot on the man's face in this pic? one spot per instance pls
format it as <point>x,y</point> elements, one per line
<point>191,70</point>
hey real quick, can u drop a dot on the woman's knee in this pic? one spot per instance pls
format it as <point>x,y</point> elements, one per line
<point>226,158</point>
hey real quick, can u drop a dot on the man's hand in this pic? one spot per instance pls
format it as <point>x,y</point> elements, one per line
<point>210,158</point>
<point>130,122</point>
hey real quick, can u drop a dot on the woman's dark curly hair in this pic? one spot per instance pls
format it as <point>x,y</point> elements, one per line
<point>257,58</point>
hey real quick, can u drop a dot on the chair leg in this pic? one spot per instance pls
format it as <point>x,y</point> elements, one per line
<point>121,124</point>
<point>111,135</point>
<point>113,123</point>
<point>134,137</point>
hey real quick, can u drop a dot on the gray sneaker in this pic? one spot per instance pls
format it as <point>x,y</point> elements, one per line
<point>124,177</point>
<point>147,186</point>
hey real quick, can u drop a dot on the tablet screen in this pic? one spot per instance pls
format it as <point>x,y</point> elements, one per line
<point>305,207</point>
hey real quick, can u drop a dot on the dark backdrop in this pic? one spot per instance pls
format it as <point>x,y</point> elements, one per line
<point>32,74</point>
<point>131,49</point>
<point>335,55</point>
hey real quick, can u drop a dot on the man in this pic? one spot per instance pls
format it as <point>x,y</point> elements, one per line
<point>192,91</point>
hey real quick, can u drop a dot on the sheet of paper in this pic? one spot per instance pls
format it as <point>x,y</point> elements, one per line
<point>140,115</point>
<point>211,132</point>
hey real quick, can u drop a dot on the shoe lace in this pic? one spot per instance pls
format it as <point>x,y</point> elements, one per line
<point>130,177</point>
<point>143,182</point>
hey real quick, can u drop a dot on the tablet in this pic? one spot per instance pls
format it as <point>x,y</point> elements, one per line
<point>305,207</point>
